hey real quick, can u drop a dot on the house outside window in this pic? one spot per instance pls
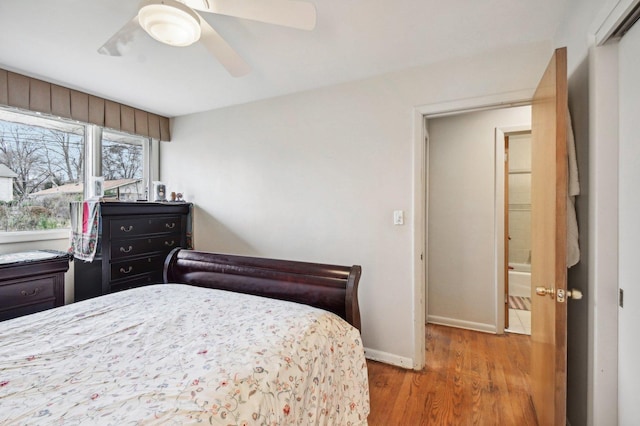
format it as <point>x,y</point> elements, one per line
<point>44,164</point>
<point>6,183</point>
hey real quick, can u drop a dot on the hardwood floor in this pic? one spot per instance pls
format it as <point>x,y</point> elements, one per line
<point>470,378</point>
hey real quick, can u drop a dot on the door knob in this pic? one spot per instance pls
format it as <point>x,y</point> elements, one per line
<point>544,291</point>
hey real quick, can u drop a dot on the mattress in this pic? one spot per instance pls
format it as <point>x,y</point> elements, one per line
<point>176,354</point>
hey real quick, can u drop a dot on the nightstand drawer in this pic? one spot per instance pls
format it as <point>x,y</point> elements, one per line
<point>130,268</point>
<point>28,292</point>
<point>135,246</point>
<point>133,227</point>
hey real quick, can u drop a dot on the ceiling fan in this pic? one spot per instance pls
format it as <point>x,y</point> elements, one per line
<point>176,23</point>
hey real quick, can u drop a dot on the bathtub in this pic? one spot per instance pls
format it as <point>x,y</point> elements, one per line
<point>520,279</point>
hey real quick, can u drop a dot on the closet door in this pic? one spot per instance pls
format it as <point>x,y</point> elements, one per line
<point>629,226</point>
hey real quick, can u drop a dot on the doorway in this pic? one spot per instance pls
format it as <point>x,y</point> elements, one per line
<point>465,226</point>
<point>517,241</point>
<point>549,194</point>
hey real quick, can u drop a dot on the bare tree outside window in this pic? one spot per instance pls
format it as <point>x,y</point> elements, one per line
<point>38,159</point>
<point>121,160</point>
<point>42,169</point>
<point>123,165</point>
<point>65,156</point>
<point>22,151</point>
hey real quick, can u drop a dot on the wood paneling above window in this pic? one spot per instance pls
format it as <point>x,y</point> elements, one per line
<point>28,93</point>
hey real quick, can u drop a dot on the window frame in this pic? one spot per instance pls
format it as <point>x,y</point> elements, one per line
<point>92,166</point>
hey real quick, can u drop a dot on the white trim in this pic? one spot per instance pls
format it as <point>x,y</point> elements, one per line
<point>467,325</point>
<point>388,358</point>
<point>460,106</point>
<point>602,375</point>
<point>613,15</point>
<point>419,238</point>
<point>30,236</point>
<point>513,130</point>
<point>500,231</point>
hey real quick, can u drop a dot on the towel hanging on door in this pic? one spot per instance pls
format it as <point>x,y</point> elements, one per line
<point>573,189</point>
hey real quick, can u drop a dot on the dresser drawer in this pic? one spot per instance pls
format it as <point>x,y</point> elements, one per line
<point>130,268</point>
<point>134,241</point>
<point>28,292</point>
<point>138,281</point>
<point>135,246</point>
<point>123,228</point>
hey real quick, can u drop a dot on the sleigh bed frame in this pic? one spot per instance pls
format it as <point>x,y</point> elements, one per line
<point>330,287</point>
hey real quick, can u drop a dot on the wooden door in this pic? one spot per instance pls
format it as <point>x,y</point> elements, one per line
<point>549,242</point>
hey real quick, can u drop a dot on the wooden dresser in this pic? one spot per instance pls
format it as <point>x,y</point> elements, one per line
<point>133,242</point>
<point>31,281</point>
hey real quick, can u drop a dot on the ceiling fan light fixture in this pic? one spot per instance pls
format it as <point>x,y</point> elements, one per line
<point>170,22</point>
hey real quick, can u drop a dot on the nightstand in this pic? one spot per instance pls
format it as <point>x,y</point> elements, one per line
<point>31,281</point>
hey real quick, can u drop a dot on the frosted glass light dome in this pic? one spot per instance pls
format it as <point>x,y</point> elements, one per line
<point>171,23</point>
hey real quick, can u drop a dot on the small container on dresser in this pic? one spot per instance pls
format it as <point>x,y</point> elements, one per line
<point>31,281</point>
<point>133,242</point>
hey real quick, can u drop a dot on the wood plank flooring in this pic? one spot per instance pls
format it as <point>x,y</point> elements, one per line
<point>470,378</point>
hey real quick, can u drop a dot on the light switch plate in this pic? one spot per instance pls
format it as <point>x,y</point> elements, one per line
<point>398,217</point>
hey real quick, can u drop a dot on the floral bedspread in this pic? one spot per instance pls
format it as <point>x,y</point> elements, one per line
<point>175,354</point>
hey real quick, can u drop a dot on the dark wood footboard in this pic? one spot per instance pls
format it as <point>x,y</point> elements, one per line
<point>330,287</point>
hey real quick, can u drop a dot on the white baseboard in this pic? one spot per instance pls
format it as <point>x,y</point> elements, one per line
<point>408,363</point>
<point>452,322</point>
<point>388,358</point>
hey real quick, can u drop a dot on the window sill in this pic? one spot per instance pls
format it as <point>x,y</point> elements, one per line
<point>28,236</point>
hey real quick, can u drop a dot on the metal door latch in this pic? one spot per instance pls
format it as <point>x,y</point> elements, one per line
<point>562,295</point>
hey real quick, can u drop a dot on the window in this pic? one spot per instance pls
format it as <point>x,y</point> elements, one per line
<point>44,163</point>
<point>123,165</point>
<point>41,169</point>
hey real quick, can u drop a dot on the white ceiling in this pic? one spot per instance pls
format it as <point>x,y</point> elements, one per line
<point>57,40</point>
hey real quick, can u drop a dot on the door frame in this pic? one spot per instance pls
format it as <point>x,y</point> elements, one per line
<point>419,209</point>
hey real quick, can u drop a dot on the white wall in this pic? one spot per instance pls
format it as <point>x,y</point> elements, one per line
<point>629,225</point>
<point>462,274</point>
<point>317,175</point>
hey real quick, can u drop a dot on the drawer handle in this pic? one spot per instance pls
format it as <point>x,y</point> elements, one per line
<point>124,250</point>
<point>170,225</point>
<point>126,271</point>
<point>127,229</point>
<point>33,293</point>
<point>170,244</point>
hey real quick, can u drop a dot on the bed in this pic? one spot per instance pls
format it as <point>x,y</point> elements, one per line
<point>188,352</point>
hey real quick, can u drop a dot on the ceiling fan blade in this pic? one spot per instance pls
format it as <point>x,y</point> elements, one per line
<point>118,43</point>
<point>288,13</point>
<point>219,48</point>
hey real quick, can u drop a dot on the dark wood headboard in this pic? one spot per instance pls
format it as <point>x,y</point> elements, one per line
<point>330,287</point>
